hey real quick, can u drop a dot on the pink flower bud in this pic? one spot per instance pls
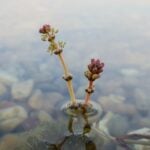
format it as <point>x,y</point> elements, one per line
<point>95,67</point>
<point>45,29</point>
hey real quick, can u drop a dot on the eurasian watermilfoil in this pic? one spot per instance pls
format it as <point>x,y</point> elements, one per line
<point>95,68</point>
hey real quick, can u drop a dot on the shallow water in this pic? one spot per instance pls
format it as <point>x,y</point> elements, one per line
<point>31,87</point>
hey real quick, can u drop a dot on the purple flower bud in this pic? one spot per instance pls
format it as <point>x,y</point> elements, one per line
<point>45,29</point>
<point>41,30</point>
<point>95,67</point>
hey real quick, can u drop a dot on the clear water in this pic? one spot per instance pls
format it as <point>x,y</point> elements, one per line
<point>115,31</point>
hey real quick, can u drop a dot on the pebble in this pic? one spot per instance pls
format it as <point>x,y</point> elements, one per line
<point>114,124</point>
<point>142,102</point>
<point>44,116</point>
<point>144,122</point>
<point>3,89</point>
<point>7,79</point>
<point>22,90</point>
<point>116,104</point>
<point>30,123</point>
<point>44,101</point>
<point>10,142</point>
<point>11,117</point>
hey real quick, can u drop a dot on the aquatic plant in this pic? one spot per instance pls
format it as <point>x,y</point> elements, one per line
<point>48,33</point>
<point>93,73</point>
<point>85,108</point>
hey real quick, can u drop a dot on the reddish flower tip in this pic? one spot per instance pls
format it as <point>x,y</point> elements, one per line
<point>45,29</point>
<point>96,67</point>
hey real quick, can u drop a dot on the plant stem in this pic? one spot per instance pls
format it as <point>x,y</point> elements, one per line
<point>69,83</point>
<point>88,94</point>
<point>142,142</point>
<point>109,138</point>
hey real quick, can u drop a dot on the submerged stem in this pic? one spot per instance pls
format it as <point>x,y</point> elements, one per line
<point>109,138</point>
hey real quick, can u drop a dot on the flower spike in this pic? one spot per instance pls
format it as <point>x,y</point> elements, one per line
<point>48,34</point>
<point>95,68</point>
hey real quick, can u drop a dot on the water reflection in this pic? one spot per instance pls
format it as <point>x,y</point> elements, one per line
<point>77,139</point>
<point>83,143</point>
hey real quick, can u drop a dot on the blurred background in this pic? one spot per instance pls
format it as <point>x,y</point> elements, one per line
<point>115,31</point>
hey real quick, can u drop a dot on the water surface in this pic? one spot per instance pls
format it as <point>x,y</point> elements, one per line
<point>115,31</point>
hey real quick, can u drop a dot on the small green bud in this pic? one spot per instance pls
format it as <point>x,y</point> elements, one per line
<point>56,31</point>
<point>88,74</point>
<point>44,37</point>
<point>95,76</point>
